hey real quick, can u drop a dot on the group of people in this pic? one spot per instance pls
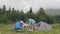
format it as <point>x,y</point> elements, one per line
<point>19,25</point>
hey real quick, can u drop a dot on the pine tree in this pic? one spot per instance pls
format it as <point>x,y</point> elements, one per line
<point>9,9</point>
<point>30,14</point>
<point>30,10</point>
<point>13,9</point>
<point>4,8</point>
<point>41,16</point>
<point>0,11</point>
<point>41,11</point>
<point>22,15</point>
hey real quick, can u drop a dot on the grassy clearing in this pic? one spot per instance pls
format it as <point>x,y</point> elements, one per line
<point>6,29</point>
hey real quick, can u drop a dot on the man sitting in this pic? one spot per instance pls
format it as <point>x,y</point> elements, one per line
<point>25,26</point>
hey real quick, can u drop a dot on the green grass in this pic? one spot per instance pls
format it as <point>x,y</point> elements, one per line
<point>6,29</point>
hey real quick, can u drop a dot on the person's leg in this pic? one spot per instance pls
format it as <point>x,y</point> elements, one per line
<point>33,27</point>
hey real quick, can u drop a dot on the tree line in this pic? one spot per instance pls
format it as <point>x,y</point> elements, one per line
<point>10,16</point>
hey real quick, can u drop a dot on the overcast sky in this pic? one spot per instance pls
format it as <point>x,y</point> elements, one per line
<point>26,4</point>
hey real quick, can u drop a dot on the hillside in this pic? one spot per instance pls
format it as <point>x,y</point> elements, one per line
<point>52,12</point>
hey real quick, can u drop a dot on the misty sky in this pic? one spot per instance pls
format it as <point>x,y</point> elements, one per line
<point>26,4</point>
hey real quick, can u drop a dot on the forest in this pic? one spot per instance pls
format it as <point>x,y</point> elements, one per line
<point>10,16</point>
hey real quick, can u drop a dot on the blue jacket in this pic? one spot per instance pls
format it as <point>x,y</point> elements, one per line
<point>32,21</point>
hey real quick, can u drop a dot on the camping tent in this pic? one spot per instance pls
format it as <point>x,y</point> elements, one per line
<point>44,26</point>
<point>18,25</point>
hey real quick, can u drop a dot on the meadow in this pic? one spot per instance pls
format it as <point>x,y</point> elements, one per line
<point>6,29</point>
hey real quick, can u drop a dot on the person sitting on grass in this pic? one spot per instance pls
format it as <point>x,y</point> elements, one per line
<point>31,23</point>
<point>18,25</point>
<point>25,26</point>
